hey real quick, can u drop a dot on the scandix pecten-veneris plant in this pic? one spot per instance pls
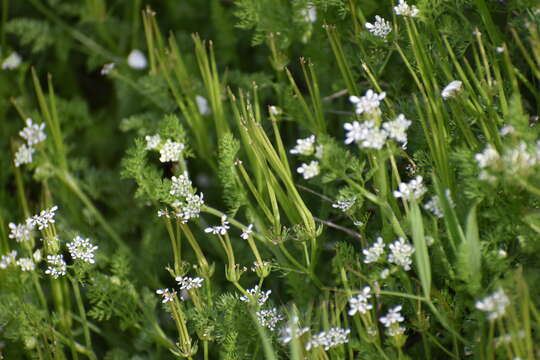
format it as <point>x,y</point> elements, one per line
<point>376,198</point>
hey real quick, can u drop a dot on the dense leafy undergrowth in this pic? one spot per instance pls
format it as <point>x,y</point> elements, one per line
<point>277,179</point>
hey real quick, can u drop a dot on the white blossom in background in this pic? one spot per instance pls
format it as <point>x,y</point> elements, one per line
<point>366,134</point>
<point>292,331</point>
<point>33,133</point>
<point>487,158</point>
<point>452,89</point>
<point>518,159</point>
<point>12,62</point>
<point>380,28</point>
<point>319,151</point>
<point>166,295</point>
<point>258,294</point>
<point>137,60</point>
<point>495,305</point>
<point>274,110</point>
<point>24,155</point>
<point>400,254</point>
<point>397,129</point>
<point>219,229</point>
<point>8,259</point>
<point>44,219</point>
<point>329,339</point>
<point>391,321</point>
<point>20,232</point>
<point>26,264</point>
<point>83,249</point>
<point>246,232</point>
<point>309,170</point>
<point>181,185</point>
<point>202,105</point>
<point>170,151</point>
<point>152,141</point>
<point>309,13</point>
<point>269,318</point>
<point>190,209</point>
<point>369,103</point>
<point>57,266</point>
<point>107,68</point>
<point>344,204</point>
<point>404,9</point>
<point>188,283</point>
<point>434,204</point>
<point>304,147</point>
<point>507,130</point>
<point>359,303</point>
<point>374,253</point>
<point>414,189</point>
<point>385,273</point>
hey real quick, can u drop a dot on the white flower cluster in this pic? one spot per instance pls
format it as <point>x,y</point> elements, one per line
<point>391,321</point>
<point>434,204</point>
<point>414,189</point>
<point>292,331</point>
<point>514,161</point>
<point>329,339</point>
<point>137,60</point>
<point>344,204</point>
<point>360,303</point>
<point>257,294</point>
<point>380,28</point>
<point>57,266</point>
<point>21,232</point>
<point>26,264</point>
<point>188,204</point>
<point>495,305</point>
<point>166,295</point>
<point>400,253</point>
<point>310,170</point>
<point>304,147</point>
<point>369,136</point>
<point>269,318</point>
<point>404,9</point>
<point>8,259</point>
<point>170,151</point>
<point>181,185</point>
<point>33,134</point>
<point>44,219</point>
<point>397,129</point>
<point>452,89</point>
<point>82,249</point>
<point>188,283</point>
<point>369,103</point>
<point>309,13</point>
<point>219,229</point>
<point>12,61</point>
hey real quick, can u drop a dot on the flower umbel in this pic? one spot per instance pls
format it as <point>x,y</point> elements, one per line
<point>495,305</point>
<point>380,28</point>
<point>82,249</point>
<point>57,266</point>
<point>401,253</point>
<point>309,171</point>
<point>33,133</point>
<point>360,303</point>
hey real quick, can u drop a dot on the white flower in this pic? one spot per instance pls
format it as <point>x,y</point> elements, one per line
<point>292,331</point>
<point>304,146</point>
<point>518,159</point>
<point>220,229</point>
<point>309,13</point>
<point>269,318</point>
<point>12,61</point>
<point>344,204</point>
<point>329,339</point>
<point>83,249</point>
<point>257,294</point>
<point>191,209</point>
<point>188,283</point>
<point>274,110</point>
<point>380,28</point>
<point>366,134</point>
<point>401,253</point>
<point>319,151</point>
<point>360,302</point>
<point>170,151</point>
<point>44,219</point>
<point>309,171</point>
<point>369,103</point>
<point>202,105</point>
<point>385,273</point>
<point>181,185</point>
<point>507,130</point>
<point>374,253</point>
<point>24,155</point>
<point>8,259</point>
<point>434,204</point>
<point>246,232</point>
<point>152,142</point>
<point>57,266</point>
<point>137,60</point>
<point>392,317</point>
<point>414,189</point>
<point>107,68</point>
<point>33,133</point>
<point>397,129</point>
<point>20,232</point>
<point>487,158</point>
<point>452,89</point>
<point>404,9</point>
<point>495,305</point>
<point>26,264</point>
<point>166,294</point>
